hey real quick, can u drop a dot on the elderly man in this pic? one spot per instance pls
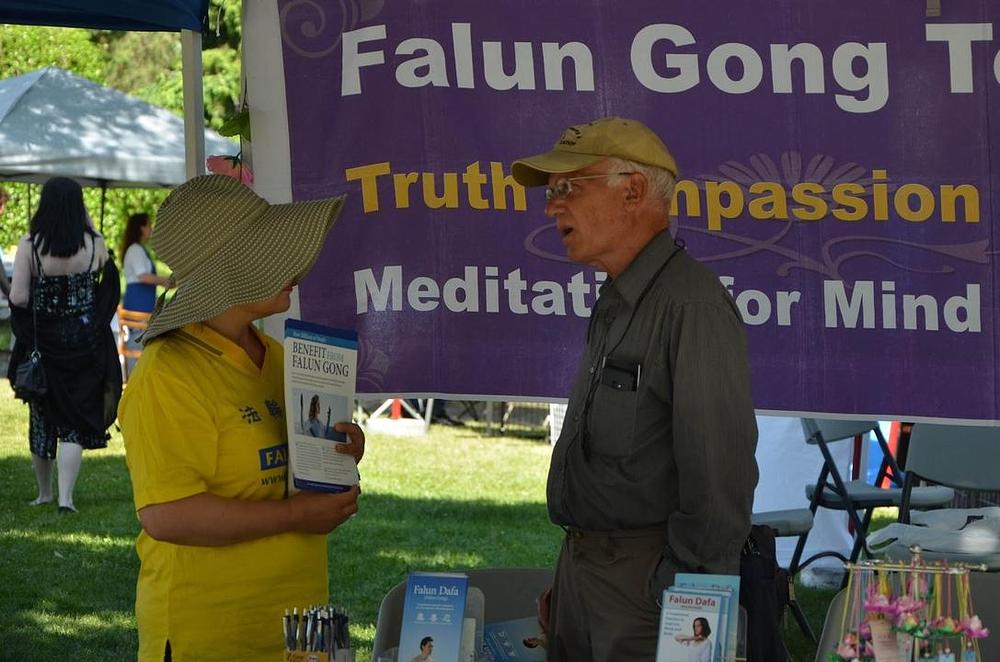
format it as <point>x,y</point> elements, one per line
<point>654,471</point>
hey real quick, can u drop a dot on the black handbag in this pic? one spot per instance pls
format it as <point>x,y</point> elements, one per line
<point>29,380</point>
<point>30,383</point>
<point>764,593</point>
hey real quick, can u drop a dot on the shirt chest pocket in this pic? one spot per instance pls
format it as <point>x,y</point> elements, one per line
<point>612,416</point>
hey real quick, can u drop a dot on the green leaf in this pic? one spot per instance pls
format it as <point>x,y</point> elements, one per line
<point>237,125</point>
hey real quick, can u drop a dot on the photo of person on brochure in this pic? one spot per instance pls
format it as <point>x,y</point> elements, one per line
<point>426,648</point>
<point>318,413</point>
<point>700,645</point>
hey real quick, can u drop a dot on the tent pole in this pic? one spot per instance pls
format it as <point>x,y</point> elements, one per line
<point>194,104</point>
<point>104,195</point>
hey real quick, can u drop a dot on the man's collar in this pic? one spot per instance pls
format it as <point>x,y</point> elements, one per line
<point>637,275</point>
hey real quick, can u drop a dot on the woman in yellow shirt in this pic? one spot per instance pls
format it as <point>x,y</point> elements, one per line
<point>223,548</point>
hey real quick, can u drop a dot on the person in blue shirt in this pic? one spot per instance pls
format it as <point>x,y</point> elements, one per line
<point>313,426</point>
<point>141,278</point>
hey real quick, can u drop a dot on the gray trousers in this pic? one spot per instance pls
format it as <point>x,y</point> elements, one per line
<point>602,608</point>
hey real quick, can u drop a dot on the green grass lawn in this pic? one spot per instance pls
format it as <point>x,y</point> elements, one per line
<point>451,500</point>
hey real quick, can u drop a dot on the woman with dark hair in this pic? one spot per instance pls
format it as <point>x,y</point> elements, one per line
<point>312,426</point>
<point>699,644</point>
<point>141,278</point>
<point>63,295</point>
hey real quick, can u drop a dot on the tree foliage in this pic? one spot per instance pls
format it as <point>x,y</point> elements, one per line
<point>25,48</point>
<point>146,65</point>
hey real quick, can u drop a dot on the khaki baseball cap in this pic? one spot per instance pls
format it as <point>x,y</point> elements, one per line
<point>586,144</point>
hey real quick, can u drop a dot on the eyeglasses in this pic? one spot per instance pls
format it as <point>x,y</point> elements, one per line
<point>564,187</point>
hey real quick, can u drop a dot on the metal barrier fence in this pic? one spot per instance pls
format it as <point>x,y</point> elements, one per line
<point>535,420</point>
<point>518,419</point>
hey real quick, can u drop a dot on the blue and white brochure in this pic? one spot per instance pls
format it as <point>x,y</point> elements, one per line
<point>320,377</point>
<point>689,627</point>
<point>728,583</point>
<point>721,632</point>
<point>433,609</point>
<point>518,640</point>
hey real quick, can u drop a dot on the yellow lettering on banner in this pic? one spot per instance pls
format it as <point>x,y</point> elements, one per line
<point>368,174</point>
<point>814,207</point>
<point>849,207</point>
<point>970,202</point>
<point>440,190</point>
<point>448,199</point>
<point>773,204</point>
<point>880,195</point>
<point>480,188</point>
<point>713,203</point>
<point>925,199</point>
<point>401,183</point>
<point>692,198</point>
<point>501,184</point>
<point>474,180</point>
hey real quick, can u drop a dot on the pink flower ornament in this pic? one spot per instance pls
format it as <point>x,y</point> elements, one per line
<point>907,605</point>
<point>973,628</point>
<point>230,166</point>
<point>848,648</point>
<point>878,603</point>
<point>847,651</point>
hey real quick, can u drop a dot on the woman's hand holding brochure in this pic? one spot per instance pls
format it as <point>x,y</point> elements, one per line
<point>355,445</point>
<point>322,512</point>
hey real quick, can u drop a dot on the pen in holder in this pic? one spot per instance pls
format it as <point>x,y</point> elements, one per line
<point>319,634</point>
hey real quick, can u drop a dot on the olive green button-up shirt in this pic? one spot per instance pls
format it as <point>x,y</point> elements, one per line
<point>665,436</point>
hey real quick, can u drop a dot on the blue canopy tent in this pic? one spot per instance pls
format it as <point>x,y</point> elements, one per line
<point>151,15</point>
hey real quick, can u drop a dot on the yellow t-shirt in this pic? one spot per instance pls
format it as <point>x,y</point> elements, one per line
<point>199,416</point>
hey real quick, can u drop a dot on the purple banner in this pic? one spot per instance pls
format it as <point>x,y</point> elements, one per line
<point>836,172</point>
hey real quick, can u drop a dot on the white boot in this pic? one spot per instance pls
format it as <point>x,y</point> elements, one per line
<point>69,457</point>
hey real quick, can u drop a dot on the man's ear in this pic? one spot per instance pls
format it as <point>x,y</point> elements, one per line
<point>635,189</point>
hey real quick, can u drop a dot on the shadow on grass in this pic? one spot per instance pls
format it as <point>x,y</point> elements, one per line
<point>68,581</point>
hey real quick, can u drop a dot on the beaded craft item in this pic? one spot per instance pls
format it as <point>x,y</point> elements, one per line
<point>914,612</point>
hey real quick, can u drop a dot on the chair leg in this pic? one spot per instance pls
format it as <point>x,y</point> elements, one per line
<point>889,467</point>
<point>800,545</point>
<point>793,566</point>
<point>860,527</point>
<point>861,537</point>
<point>800,618</point>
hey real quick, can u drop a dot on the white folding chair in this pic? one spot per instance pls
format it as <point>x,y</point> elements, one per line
<point>855,496</point>
<point>960,457</point>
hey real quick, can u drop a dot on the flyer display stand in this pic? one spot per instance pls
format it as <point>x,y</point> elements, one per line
<point>510,593</point>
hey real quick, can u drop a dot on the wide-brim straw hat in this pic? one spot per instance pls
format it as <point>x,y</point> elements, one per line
<point>227,247</point>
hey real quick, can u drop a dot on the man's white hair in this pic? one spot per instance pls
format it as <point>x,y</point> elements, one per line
<point>661,182</point>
